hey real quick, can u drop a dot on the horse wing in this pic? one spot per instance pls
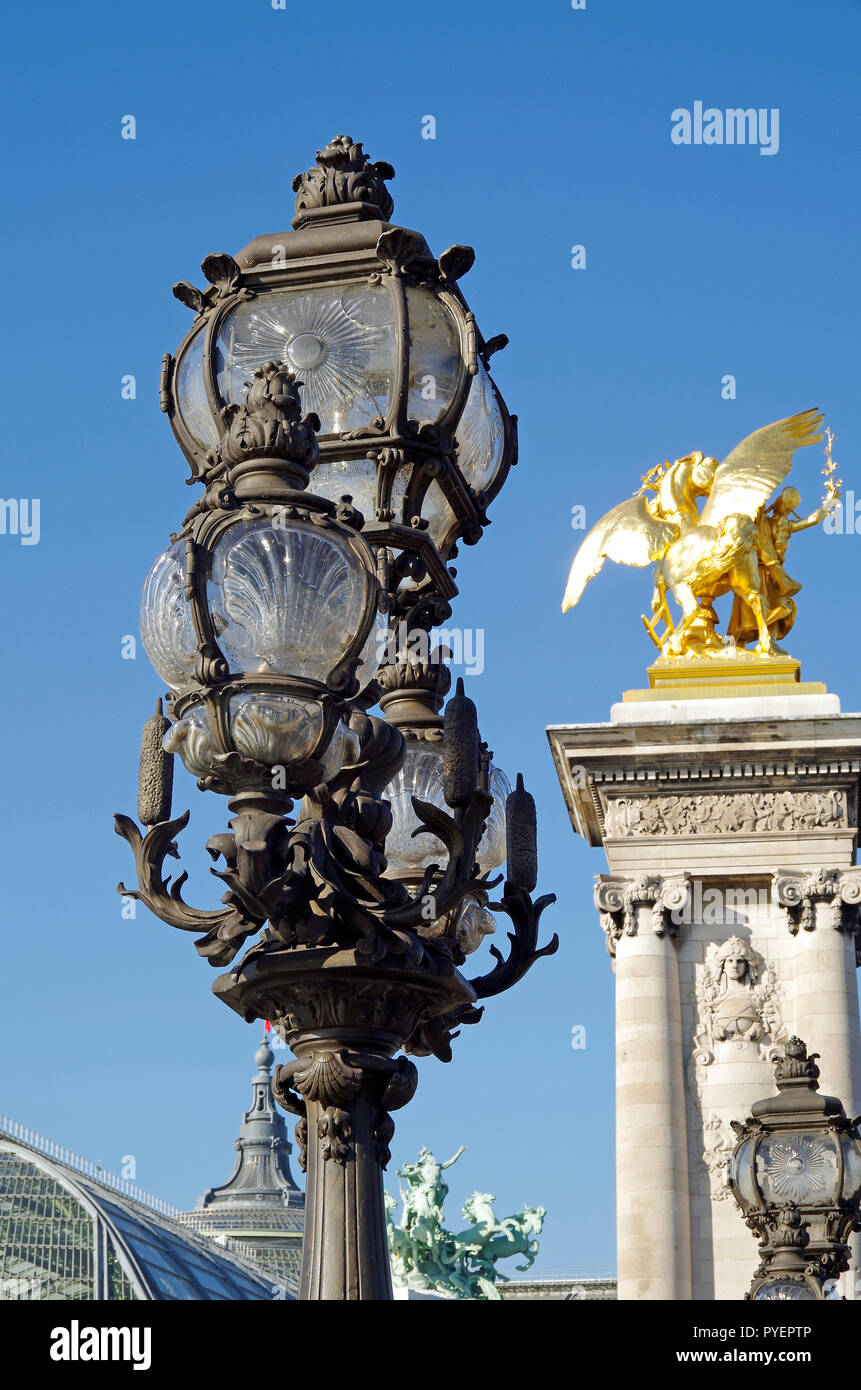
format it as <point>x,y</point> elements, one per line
<point>749,474</point>
<point>628,534</point>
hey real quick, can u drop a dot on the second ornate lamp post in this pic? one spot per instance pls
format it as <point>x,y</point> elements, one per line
<point>333,398</point>
<point>796,1174</point>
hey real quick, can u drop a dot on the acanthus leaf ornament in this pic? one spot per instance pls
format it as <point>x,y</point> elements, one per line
<point>492,345</point>
<point>222,271</point>
<point>334,1079</point>
<point>191,296</point>
<point>619,900</point>
<point>838,891</point>
<point>525,914</point>
<point>163,897</point>
<point>225,278</point>
<point>269,426</point>
<point>456,262</point>
<point>321,879</point>
<point>399,251</point>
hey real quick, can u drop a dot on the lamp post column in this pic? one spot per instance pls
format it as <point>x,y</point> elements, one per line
<point>345,1132</point>
<point>344,1020</point>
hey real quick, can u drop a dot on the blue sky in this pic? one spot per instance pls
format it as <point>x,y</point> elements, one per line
<point>553,129</point>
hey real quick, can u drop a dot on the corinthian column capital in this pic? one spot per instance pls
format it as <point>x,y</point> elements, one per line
<point>618,899</point>
<point>839,890</point>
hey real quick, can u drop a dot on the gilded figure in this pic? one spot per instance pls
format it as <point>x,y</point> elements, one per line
<point>736,543</point>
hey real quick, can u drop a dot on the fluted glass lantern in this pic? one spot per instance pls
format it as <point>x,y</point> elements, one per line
<point>413,694</point>
<point>267,615</point>
<point>422,776</point>
<point>412,426</point>
<point>796,1175</point>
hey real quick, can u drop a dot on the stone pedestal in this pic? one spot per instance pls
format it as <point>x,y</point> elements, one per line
<point>730,909</point>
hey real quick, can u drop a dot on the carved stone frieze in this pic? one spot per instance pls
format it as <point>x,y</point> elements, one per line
<point>618,900</point>
<point>718,1145</point>
<point>721,813</point>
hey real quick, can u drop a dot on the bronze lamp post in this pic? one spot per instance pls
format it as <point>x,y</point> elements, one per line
<point>796,1175</point>
<point>333,400</point>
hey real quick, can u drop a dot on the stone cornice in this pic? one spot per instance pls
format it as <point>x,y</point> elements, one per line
<point>597,763</point>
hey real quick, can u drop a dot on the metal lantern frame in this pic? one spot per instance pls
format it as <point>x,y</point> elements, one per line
<point>334,247</point>
<point>214,685</point>
<point>791,1254</point>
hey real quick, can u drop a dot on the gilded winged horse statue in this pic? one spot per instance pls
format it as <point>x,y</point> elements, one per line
<point>737,544</point>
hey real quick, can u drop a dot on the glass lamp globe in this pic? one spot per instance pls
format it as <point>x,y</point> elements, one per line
<point>292,610</point>
<point>784,1290</point>
<point>422,776</point>
<point>344,342</point>
<point>798,1166</point>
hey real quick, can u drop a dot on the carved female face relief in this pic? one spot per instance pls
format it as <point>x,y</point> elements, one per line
<point>736,968</point>
<point>736,999</point>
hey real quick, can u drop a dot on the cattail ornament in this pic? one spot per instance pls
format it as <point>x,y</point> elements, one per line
<point>461,749</point>
<point>521,837</point>
<point>155,779</point>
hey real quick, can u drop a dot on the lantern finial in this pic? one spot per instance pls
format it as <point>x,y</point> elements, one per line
<point>795,1066</point>
<point>344,177</point>
<point>269,426</point>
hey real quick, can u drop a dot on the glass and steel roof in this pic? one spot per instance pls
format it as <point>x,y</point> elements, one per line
<point>65,1235</point>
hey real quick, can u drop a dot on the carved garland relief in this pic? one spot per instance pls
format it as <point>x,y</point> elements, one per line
<point>721,813</point>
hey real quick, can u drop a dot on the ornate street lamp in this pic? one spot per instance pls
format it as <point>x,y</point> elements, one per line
<point>796,1174</point>
<point>333,399</point>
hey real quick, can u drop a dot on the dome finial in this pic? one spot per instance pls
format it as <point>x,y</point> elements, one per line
<point>264,1056</point>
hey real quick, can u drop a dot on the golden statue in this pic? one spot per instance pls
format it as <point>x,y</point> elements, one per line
<point>737,544</point>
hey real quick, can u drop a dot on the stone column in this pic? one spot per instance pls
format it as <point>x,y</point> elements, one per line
<point>823,916</point>
<point>653,1208</point>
